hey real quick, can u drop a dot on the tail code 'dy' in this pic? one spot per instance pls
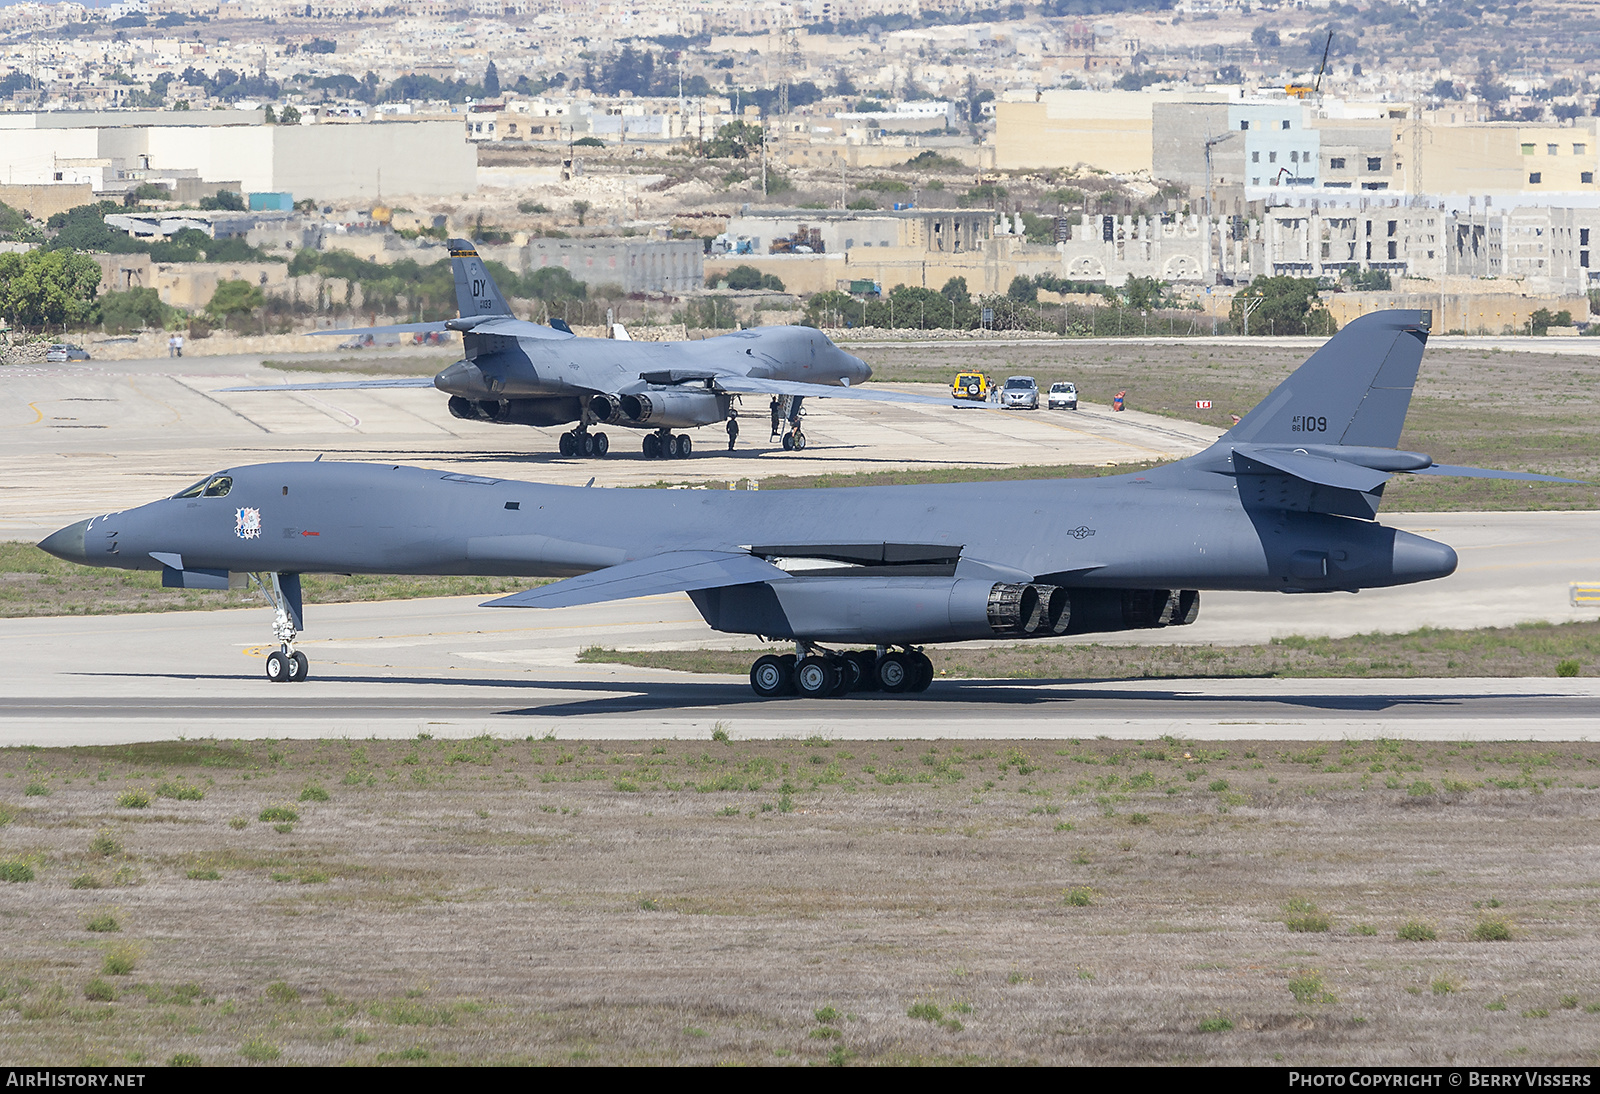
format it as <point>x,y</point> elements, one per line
<point>476,292</point>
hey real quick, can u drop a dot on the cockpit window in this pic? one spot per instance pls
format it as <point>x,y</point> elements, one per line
<point>215,486</point>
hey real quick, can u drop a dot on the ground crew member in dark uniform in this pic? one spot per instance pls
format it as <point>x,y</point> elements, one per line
<point>733,430</point>
<point>777,418</point>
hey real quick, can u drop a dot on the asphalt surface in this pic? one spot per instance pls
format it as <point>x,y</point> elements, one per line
<point>93,437</point>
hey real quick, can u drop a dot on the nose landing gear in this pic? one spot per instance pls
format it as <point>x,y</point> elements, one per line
<point>285,665</point>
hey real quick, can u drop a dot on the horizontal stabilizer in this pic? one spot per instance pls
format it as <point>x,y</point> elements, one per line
<point>343,385</point>
<point>518,328</point>
<point>755,385</point>
<point>1250,459</point>
<point>1485,473</point>
<point>493,324</point>
<point>398,328</point>
<point>672,572</point>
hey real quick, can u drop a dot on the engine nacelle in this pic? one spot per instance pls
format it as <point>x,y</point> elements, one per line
<point>556,410</point>
<point>934,609</point>
<point>671,409</point>
<point>607,408</point>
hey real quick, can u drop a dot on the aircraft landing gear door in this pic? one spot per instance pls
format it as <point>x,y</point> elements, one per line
<point>284,664</point>
<point>794,438</point>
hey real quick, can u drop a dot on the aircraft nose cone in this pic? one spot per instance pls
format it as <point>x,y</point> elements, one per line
<point>67,544</point>
<point>1420,559</point>
<point>463,378</point>
<point>860,370</point>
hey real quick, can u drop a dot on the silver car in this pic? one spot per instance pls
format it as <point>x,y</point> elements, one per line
<point>63,351</point>
<point>1020,391</point>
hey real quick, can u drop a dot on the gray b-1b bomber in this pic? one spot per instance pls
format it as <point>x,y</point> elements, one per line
<point>520,373</point>
<point>1286,501</point>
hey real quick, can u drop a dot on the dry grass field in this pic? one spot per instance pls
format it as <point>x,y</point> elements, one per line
<point>807,902</point>
<point>1522,411</point>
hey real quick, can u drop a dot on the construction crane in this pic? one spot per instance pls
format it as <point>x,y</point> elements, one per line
<point>1301,91</point>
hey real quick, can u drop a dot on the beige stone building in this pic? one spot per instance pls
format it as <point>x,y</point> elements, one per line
<point>1462,305</point>
<point>1108,130</point>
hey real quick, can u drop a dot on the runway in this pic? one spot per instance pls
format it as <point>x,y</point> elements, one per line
<point>449,668</point>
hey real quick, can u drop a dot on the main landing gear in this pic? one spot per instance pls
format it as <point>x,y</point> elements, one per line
<point>663,444</point>
<point>285,665</point>
<point>580,442</point>
<point>820,674</point>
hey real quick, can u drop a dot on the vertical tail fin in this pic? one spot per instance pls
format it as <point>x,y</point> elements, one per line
<point>1355,390</point>
<point>476,292</point>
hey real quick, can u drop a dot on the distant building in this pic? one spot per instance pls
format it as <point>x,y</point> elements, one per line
<point>334,161</point>
<point>639,265</point>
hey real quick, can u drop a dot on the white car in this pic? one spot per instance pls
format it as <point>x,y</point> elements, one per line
<point>1020,391</point>
<point>1063,396</point>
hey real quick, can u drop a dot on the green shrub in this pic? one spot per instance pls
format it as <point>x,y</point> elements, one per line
<point>181,791</point>
<point>286,813</point>
<point>1305,917</point>
<point>1309,988</point>
<point>1218,1024</point>
<point>104,844</point>
<point>120,960</point>
<point>183,1059</point>
<point>1079,896</point>
<point>134,799</point>
<point>281,992</point>
<point>1569,667</point>
<point>86,881</point>
<point>260,1052</point>
<point>40,790</point>
<point>1491,929</point>
<point>1414,930</point>
<point>103,923</point>
<point>15,870</point>
<point>203,875</point>
<point>99,991</point>
<point>1422,788</point>
<point>928,1012</point>
<point>313,794</point>
<point>828,1015</point>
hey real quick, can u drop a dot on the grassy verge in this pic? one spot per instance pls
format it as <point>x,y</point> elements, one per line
<point>34,583</point>
<point>1529,649</point>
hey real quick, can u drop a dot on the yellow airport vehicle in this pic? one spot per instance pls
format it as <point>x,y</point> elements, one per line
<point>971,385</point>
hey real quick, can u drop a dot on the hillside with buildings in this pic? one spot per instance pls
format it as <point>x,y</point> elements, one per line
<point>662,157</point>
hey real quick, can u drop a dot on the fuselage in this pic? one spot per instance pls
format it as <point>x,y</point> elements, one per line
<point>1173,527</point>
<point>503,367</point>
